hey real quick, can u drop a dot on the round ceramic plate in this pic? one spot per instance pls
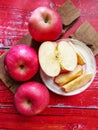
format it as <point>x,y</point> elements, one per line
<point>90,66</point>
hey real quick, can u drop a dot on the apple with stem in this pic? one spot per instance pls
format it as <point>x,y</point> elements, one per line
<point>31,98</point>
<point>21,62</point>
<point>45,24</point>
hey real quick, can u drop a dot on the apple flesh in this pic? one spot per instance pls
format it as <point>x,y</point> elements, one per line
<point>80,58</point>
<point>45,24</point>
<point>31,98</point>
<point>48,60</point>
<point>55,57</point>
<point>21,62</point>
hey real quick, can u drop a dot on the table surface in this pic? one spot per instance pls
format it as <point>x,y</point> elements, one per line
<point>78,112</point>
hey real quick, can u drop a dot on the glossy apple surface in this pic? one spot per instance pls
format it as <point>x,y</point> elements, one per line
<point>45,24</point>
<point>21,62</point>
<point>31,98</point>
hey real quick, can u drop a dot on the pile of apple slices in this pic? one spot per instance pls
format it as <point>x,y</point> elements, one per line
<point>62,61</point>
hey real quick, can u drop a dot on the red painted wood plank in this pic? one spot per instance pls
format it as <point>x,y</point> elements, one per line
<point>26,4</point>
<point>48,122</point>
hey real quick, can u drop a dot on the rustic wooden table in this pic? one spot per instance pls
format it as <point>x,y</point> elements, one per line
<point>78,112</point>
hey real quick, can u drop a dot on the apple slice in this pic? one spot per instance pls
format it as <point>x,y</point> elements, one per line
<point>64,78</point>
<point>80,58</point>
<point>78,82</point>
<point>67,56</point>
<point>55,57</point>
<point>48,60</point>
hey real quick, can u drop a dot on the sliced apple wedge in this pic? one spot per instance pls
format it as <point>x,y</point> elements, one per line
<point>64,78</point>
<point>80,58</point>
<point>54,57</point>
<point>78,82</point>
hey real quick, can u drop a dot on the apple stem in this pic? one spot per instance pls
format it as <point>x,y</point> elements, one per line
<point>46,19</point>
<point>29,101</point>
<point>21,66</point>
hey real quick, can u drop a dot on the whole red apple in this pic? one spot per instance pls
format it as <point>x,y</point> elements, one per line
<point>21,62</point>
<point>31,98</point>
<point>45,24</point>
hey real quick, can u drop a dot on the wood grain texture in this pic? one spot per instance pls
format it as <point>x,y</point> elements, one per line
<point>78,112</point>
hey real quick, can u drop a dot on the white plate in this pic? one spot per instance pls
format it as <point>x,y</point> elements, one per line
<point>90,66</point>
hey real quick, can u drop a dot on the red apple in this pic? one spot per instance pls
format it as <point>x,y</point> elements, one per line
<point>21,62</point>
<point>45,24</point>
<point>31,98</point>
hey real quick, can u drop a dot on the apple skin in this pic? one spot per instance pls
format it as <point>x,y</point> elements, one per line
<point>31,98</point>
<point>45,24</point>
<point>21,62</point>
